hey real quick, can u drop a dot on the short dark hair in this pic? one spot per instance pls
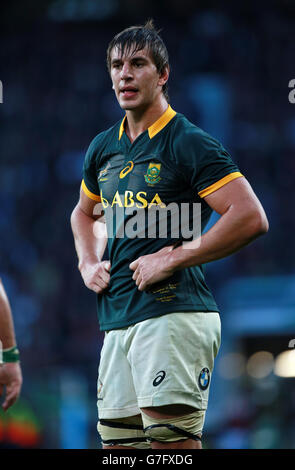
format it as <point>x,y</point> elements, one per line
<point>138,37</point>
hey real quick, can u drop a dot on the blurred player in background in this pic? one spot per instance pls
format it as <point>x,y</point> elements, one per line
<point>161,323</point>
<point>10,370</point>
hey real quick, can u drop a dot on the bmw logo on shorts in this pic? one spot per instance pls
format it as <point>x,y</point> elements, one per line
<point>204,378</point>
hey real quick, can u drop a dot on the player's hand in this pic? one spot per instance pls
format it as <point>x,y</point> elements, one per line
<point>11,378</point>
<point>153,268</point>
<point>96,276</point>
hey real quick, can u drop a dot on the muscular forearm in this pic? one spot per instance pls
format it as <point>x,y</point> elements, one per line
<point>231,232</point>
<point>7,335</point>
<point>90,237</point>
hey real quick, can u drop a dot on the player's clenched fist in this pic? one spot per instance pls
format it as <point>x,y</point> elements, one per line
<point>150,269</point>
<point>96,276</point>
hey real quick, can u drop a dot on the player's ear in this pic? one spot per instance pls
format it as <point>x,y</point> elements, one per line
<point>164,75</point>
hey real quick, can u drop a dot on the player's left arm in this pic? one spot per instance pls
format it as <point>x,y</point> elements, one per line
<point>242,220</point>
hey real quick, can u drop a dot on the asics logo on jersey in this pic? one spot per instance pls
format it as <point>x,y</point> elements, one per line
<point>127,169</point>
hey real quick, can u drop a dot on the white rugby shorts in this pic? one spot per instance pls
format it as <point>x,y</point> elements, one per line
<point>159,361</point>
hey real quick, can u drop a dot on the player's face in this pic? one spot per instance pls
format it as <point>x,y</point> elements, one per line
<point>135,78</point>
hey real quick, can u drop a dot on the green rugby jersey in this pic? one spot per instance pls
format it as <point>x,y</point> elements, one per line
<point>172,161</point>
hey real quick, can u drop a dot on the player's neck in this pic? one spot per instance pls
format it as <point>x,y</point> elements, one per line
<point>139,120</point>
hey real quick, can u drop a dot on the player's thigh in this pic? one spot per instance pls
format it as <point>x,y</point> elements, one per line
<point>172,358</point>
<point>116,395</point>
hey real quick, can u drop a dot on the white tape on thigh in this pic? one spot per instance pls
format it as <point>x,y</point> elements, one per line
<point>189,426</point>
<point>123,432</point>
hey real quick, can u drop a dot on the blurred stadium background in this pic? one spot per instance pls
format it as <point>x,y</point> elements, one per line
<point>231,66</point>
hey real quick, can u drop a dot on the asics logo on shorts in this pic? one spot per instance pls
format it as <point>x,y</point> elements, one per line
<point>159,378</point>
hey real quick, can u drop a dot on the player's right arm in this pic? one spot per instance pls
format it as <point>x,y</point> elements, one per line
<point>90,238</point>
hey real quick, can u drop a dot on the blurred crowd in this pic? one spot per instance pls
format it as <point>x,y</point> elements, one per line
<point>230,70</point>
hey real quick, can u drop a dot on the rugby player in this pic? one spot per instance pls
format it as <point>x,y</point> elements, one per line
<point>161,323</point>
<point>10,370</point>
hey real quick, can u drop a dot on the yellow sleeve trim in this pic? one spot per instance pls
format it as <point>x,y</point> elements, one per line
<point>213,187</point>
<point>88,193</point>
